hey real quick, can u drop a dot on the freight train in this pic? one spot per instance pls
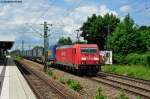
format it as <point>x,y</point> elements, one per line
<point>78,57</point>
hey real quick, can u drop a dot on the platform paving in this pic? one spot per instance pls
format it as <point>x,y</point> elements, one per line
<point>12,83</point>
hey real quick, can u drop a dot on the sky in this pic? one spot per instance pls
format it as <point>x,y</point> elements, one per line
<point>23,21</point>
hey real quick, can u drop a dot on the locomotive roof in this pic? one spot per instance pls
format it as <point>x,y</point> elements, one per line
<point>82,45</point>
<point>65,46</point>
<point>87,45</point>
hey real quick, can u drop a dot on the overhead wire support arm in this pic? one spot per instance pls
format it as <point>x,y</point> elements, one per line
<point>78,35</point>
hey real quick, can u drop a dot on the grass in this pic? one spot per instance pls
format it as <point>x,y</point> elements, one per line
<point>122,95</point>
<point>18,58</point>
<point>140,72</point>
<point>74,84</point>
<point>49,64</point>
<point>99,94</point>
<point>62,80</point>
<point>50,73</point>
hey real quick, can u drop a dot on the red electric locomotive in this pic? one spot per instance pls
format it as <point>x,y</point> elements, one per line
<point>79,57</point>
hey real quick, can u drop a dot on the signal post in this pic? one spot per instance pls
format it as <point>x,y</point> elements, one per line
<point>45,44</point>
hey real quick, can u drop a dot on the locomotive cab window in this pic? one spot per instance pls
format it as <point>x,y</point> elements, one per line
<point>88,50</point>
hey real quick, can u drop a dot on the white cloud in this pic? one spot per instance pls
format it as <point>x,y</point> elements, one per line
<point>86,9</point>
<point>80,14</point>
<point>7,38</point>
<point>35,12</point>
<point>72,0</point>
<point>104,9</point>
<point>125,8</point>
<point>68,29</point>
<point>122,18</point>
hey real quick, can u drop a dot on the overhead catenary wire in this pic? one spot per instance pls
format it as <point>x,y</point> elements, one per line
<point>119,7</point>
<point>37,31</point>
<point>135,11</point>
<point>45,12</point>
<point>68,11</point>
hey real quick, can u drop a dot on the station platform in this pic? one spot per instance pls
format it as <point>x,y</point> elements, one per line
<point>12,83</point>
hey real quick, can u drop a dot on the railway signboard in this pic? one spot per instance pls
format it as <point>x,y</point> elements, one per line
<point>106,57</point>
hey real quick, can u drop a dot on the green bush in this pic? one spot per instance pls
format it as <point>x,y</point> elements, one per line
<point>133,59</point>
<point>118,58</point>
<point>138,59</point>
<point>136,71</point>
<point>99,94</point>
<point>73,84</point>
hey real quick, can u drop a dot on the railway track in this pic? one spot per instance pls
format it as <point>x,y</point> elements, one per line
<point>131,85</point>
<point>146,82</point>
<point>135,86</point>
<point>42,88</point>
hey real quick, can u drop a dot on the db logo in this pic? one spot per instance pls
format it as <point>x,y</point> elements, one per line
<point>63,54</point>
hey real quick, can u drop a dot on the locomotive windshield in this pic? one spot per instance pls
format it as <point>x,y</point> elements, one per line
<point>88,50</point>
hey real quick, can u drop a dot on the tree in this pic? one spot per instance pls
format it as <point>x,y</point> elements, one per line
<point>125,39</point>
<point>64,41</point>
<point>97,28</point>
<point>80,42</point>
<point>35,47</point>
<point>145,36</point>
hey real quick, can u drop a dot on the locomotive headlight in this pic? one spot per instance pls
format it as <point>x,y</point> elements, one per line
<point>83,58</point>
<point>96,58</point>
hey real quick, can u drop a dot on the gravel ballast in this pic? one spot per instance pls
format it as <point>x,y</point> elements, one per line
<point>89,87</point>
